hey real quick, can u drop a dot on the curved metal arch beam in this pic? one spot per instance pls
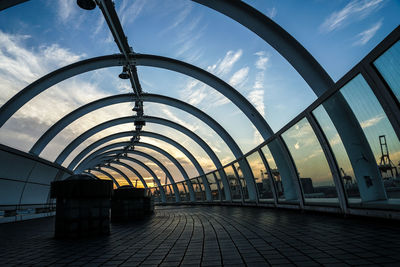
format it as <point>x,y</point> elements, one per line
<point>114,136</point>
<point>72,116</point>
<point>134,171</point>
<point>35,88</point>
<point>129,119</point>
<point>87,164</point>
<point>111,137</point>
<point>119,172</point>
<point>285,44</point>
<point>150,146</point>
<point>108,175</point>
<point>147,168</point>
<point>111,159</point>
<point>268,30</point>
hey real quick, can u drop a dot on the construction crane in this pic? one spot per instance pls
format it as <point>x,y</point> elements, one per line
<point>386,163</point>
<point>348,180</point>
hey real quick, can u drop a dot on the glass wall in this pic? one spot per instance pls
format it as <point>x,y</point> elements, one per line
<point>202,188</point>
<point>182,191</point>
<point>234,184</point>
<point>335,142</point>
<point>213,186</point>
<point>389,67</point>
<point>379,132</point>
<point>169,193</point>
<point>261,176</point>
<point>242,180</point>
<point>274,171</point>
<point>197,189</point>
<point>185,185</point>
<point>313,170</point>
<point>221,185</point>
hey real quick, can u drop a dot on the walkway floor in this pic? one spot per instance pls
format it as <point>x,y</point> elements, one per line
<point>211,236</point>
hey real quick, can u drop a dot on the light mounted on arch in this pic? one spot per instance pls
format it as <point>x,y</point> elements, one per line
<point>124,74</point>
<point>86,4</point>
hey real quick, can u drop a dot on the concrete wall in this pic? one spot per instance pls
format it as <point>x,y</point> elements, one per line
<point>25,179</point>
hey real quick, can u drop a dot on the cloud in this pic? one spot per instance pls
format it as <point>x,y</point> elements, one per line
<point>262,60</point>
<point>256,97</point>
<point>16,59</point>
<point>49,106</point>
<point>129,12</point>
<point>365,36</point>
<point>227,63</point>
<point>196,93</point>
<point>239,77</point>
<point>66,9</point>
<point>271,12</point>
<point>373,121</point>
<point>354,10</point>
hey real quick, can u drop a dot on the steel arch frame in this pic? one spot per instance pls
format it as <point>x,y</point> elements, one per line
<point>147,168</point>
<point>133,170</point>
<point>108,175</point>
<point>72,116</point>
<point>111,137</point>
<point>119,172</point>
<point>96,160</point>
<point>129,119</point>
<point>303,62</point>
<point>42,84</point>
<point>152,147</point>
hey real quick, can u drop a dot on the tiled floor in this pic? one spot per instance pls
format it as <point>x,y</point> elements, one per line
<point>211,236</point>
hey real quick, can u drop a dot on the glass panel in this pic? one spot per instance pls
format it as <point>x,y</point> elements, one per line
<point>313,169</point>
<point>260,176</point>
<point>169,193</point>
<point>274,170</point>
<point>182,192</point>
<point>197,189</point>
<point>379,132</point>
<point>337,147</point>
<point>389,67</point>
<point>233,183</point>
<point>241,180</point>
<point>157,195</point>
<point>203,191</point>
<point>185,185</point>
<point>221,185</point>
<point>213,186</point>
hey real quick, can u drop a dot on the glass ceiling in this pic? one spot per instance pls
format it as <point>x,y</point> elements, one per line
<point>38,37</point>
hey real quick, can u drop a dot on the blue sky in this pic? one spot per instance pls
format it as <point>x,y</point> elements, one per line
<point>40,36</point>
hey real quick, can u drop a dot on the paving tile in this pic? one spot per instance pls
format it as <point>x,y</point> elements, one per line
<point>193,235</point>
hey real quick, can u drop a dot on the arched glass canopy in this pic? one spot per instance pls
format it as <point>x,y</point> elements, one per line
<point>245,113</point>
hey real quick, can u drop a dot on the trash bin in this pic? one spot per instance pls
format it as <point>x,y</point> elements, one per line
<point>82,206</point>
<point>130,204</point>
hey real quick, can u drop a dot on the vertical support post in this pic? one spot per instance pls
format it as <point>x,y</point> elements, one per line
<point>331,162</point>
<point>290,181</point>
<point>271,177</point>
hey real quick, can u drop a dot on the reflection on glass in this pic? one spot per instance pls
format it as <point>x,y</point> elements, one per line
<point>202,187</point>
<point>274,170</point>
<point>221,185</point>
<point>389,67</point>
<point>185,186</point>
<point>197,189</point>
<point>346,170</point>
<point>213,186</point>
<point>313,169</point>
<point>182,192</point>
<point>233,183</point>
<point>242,180</point>
<point>379,132</point>
<point>168,193</point>
<point>260,176</point>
